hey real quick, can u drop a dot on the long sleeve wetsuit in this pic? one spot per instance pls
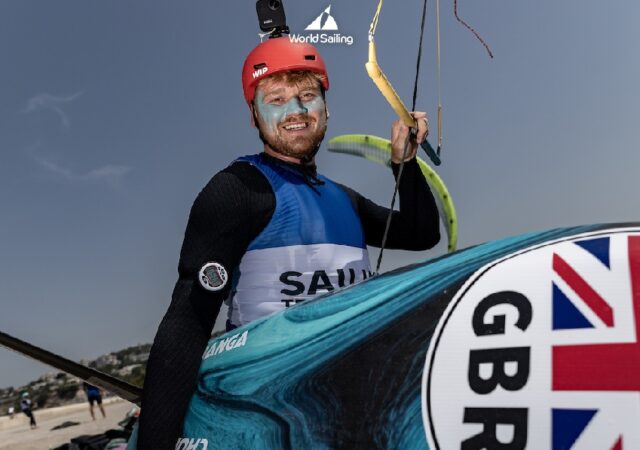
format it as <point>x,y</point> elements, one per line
<point>232,209</point>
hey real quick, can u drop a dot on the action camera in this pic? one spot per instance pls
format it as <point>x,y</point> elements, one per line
<point>271,17</point>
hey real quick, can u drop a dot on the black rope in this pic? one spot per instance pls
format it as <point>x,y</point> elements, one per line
<point>393,202</point>
<point>406,144</point>
<point>415,84</point>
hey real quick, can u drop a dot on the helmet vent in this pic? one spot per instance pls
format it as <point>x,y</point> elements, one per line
<point>259,66</point>
<point>310,57</point>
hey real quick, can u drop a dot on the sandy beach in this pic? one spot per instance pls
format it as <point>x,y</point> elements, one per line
<point>16,434</point>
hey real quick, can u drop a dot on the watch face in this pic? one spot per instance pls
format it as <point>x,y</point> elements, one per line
<point>213,276</point>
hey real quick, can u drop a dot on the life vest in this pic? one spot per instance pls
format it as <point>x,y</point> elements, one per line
<point>313,244</point>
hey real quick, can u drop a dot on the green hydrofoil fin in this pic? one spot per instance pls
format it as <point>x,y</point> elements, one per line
<point>378,150</point>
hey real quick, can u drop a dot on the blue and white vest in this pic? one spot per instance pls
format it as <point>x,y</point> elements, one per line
<point>313,244</point>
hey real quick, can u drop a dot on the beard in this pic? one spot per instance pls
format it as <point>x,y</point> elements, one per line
<point>300,147</point>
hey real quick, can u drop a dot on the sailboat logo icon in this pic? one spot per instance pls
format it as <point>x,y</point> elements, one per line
<point>323,22</point>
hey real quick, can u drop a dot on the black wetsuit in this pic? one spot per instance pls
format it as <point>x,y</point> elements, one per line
<point>232,209</point>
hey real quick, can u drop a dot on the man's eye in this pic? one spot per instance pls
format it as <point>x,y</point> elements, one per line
<point>308,96</point>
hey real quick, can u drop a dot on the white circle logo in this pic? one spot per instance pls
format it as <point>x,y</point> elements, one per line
<point>541,349</point>
<point>213,276</point>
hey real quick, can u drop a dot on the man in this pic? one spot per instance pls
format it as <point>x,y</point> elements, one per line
<point>269,231</point>
<point>26,406</point>
<point>94,395</point>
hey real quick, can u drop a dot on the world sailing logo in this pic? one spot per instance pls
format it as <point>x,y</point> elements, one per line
<point>322,24</point>
<point>324,21</point>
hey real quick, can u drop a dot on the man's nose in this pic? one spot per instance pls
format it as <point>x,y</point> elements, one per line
<point>295,106</point>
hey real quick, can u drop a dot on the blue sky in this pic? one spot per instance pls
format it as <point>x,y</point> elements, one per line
<point>114,114</point>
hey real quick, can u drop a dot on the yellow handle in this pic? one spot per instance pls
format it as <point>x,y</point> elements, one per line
<point>383,84</point>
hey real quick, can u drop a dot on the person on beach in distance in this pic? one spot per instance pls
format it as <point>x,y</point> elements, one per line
<point>94,395</point>
<point>26,407</point>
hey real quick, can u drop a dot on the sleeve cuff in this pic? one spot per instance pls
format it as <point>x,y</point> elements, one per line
<point>412,163</point>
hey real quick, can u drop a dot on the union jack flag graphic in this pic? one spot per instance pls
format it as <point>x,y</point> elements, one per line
<point>580,304</point>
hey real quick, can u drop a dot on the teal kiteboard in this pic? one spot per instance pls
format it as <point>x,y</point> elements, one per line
<point>526,342</point>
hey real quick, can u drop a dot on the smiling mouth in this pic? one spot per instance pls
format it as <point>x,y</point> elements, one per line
<point>296,126</point>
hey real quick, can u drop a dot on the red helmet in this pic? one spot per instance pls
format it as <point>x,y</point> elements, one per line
<point>279,55</point>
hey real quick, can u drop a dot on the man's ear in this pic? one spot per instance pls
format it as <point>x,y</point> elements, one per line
<point>254,120</point>
<point>326,110</point>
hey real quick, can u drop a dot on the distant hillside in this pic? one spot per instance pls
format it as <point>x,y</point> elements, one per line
<point>58,388</point>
